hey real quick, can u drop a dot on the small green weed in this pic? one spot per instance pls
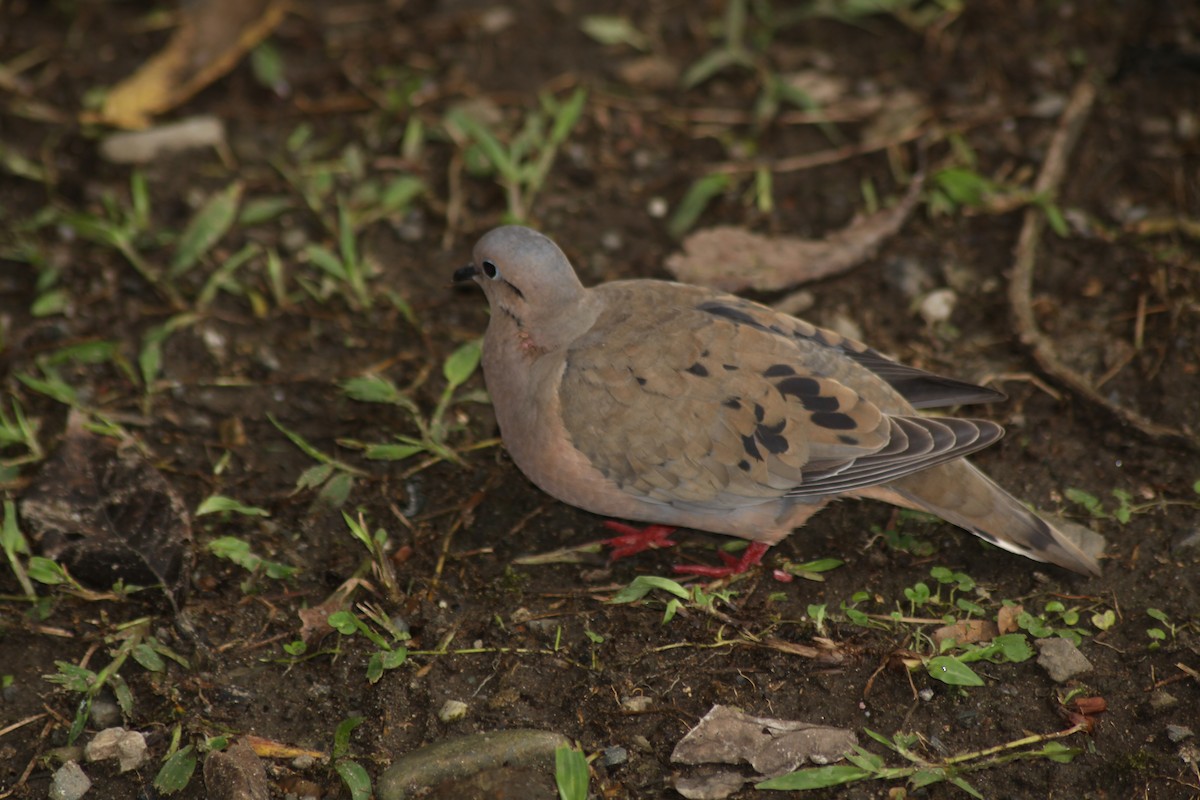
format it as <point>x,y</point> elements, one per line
<point>353,775</point>
<point>391,653</point>
<point>522,166</point>
<point>571,774</point>
<point>377,545</point>
<point>694,596</point>
<point>435,429</point>
<point>131,639</point>
<point>921,771</point>
<point>335,478</point>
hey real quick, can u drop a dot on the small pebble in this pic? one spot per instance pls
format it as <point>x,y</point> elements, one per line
<point>611,241</point>
<point>937,306</point>
<point>1161,701</point>
<point>1177,733</point>
<point>70,782</point>
<point>1061,659</point>
<point>926,694</point>
<point>105,713</point>
<point>636,704</point>
<point>615,755</point>
<point>657,207</point>
<point>452,711</point>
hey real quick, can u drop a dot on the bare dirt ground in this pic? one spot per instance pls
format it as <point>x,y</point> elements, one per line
<point>190,369</point>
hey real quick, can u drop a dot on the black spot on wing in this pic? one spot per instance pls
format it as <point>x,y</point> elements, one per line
<point>759,412</point>
<point>698,369</point>
<point>733,403</point>
<point>719,309</point>
<point>847,439</point>
<point>779,371</point>
<point>834,420</point>
<point>751,448</point>
<point>744,465</point>
<point>771,438</point>
<point>641,381</point>
<point>808,392</point>
<point>822,405</point>
<point>729,367</point>
<point>798,387</point>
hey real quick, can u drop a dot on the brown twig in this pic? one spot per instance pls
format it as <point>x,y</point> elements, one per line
<point>1020,288</point>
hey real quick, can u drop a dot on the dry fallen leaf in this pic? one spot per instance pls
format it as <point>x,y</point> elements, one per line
<point>770,746</point>
<point>966,631</point>
<point>212,37</point>
<point>733,259</point>
<point>106,514</point>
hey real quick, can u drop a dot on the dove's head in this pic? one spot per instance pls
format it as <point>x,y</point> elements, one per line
<point>529,280</point>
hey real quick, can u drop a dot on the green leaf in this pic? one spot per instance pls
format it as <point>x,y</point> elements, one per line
<point>122,693</point>
<point>394,658</point>
<point>1059,752</point>
<point>341,735</point>
<point>177,771</point>
<point>966,787</point>
<point>393,452</point>
<point>399,193</point>
<point>1161,616</point>
<point>46,571</point>
<point>1089,501</point>
<point>314,476</point>
<point>375,667</point>
<point>49,303</point>
<point>266,62</point>
<point>1055,219</point>
<point>206,228</point>
<point>216,504</point>
<point>815,778</point>
<point>712,62</point>
<point>1014,647</point>
<point>461,363</point>
<point>950,670</point>
<point>818,565</point>
<point>698,196</point>
<point>258,210</point>
<point>571,774</point>
<point>673,606</point>
<point>612,30</point>
<point>642,585</point>
<point>323,258</point>
<point>963,186</point>
<point>927,777</point>
<point>145,655</point>
<point>355,778</point>
<point>336,491</point>
<point>343,622</point>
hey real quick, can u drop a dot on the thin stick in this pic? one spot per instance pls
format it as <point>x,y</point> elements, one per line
<point>1020,290</point>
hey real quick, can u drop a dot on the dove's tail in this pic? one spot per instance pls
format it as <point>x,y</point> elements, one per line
<point>959,493</point>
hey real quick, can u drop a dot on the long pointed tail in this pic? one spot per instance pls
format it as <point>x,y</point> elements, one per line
<point>959,493</point>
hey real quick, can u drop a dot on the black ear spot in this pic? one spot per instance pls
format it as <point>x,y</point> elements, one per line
<point>489,269</point>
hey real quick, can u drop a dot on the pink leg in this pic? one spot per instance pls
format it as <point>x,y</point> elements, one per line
<point>634,540</point>
<point>751,557</point>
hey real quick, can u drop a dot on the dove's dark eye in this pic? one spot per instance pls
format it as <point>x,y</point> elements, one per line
<point>489,269</point>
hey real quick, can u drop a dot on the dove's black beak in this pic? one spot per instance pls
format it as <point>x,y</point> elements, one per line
<point>465,273</point>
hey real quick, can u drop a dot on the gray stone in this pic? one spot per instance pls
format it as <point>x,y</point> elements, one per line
<point>1061,659</point>
<point>70,782</point>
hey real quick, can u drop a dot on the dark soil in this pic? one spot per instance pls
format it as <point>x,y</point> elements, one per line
<point>1120,295</point>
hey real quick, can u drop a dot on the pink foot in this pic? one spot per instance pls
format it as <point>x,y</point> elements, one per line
<point>751,557</point>
<point>633,540</point>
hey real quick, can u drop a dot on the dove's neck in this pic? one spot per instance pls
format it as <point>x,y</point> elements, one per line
<point>523,356</point>
<point>516,339</point>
